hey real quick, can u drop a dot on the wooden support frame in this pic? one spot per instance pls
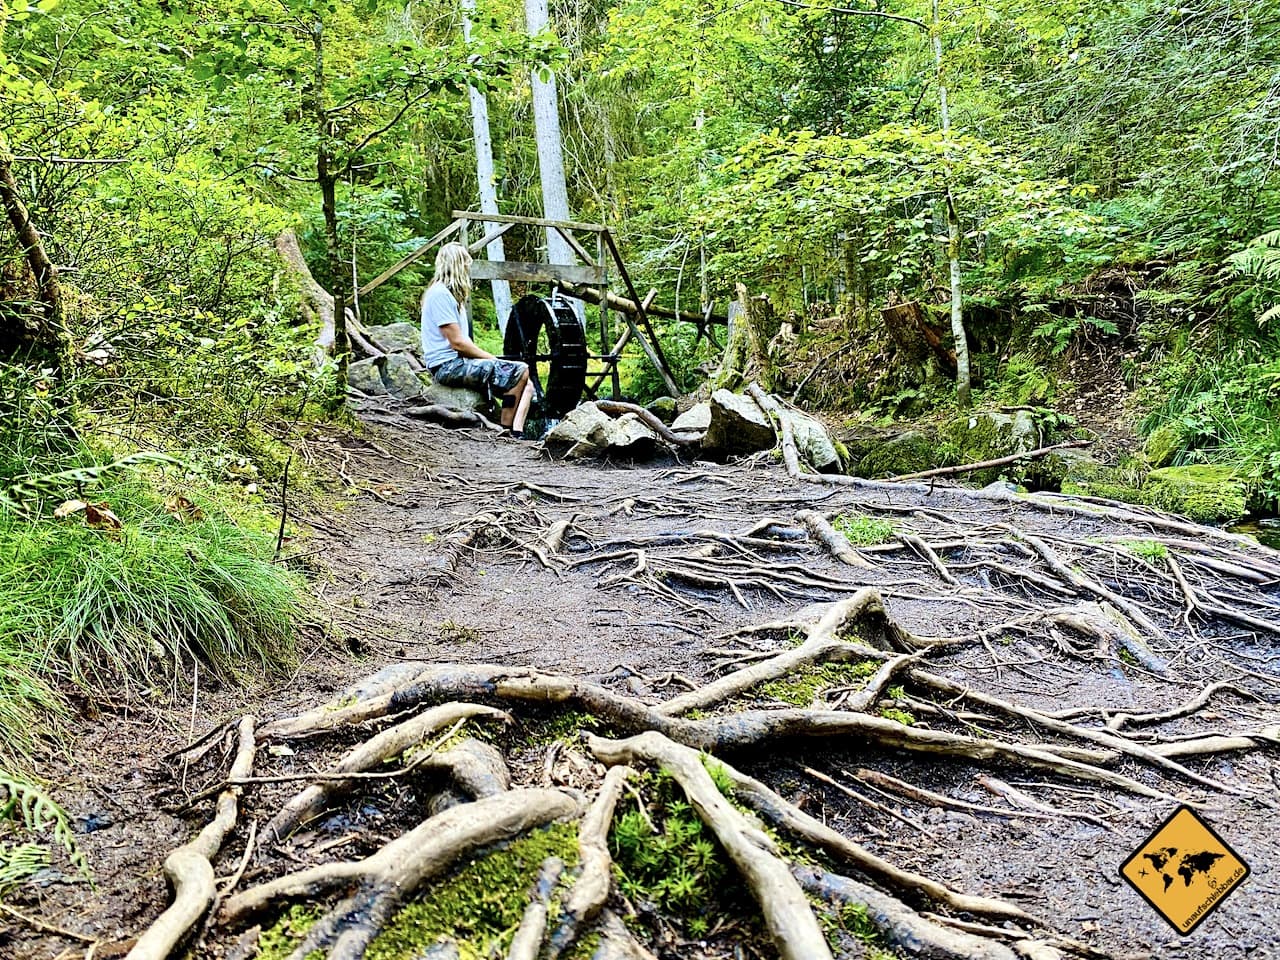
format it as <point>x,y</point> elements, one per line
<point>593,270</point>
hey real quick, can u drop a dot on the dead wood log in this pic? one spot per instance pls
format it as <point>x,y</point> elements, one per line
<point>795,930</point>
<point>592,295</point>
<point>997,462</point>
<point>317,302</point>
<point>189,869</point>
<point>591,889</point>
<point>901,926</point>
<point>388,744</point>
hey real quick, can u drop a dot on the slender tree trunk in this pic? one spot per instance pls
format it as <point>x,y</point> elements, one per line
<point>546,121</point>
<point>49,330</point>
<point>485,176</point>
<point>963,381</point>
<point>327,177</point>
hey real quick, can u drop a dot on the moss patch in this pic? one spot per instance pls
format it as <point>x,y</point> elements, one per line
<point>1202,492</point>
<point>906,453</point>
<point>1163,444</point>
<point>479,906</point>
<point>802,688</point>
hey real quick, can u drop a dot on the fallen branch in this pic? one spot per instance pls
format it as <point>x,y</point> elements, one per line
<point>985,464</point>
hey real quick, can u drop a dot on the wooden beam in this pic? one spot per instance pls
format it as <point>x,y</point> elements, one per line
<point>652,350</point>
<point>529,221</point>
<point>412,258</point>
<point>570,239</point>
<point>534,272</point>
<point>488,238</point>
<point>622,304</point>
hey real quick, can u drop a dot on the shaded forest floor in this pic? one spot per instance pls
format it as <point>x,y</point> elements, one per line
<point>642,598</point>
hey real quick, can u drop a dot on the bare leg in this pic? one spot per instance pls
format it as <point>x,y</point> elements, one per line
<point>522,407</point>
<point>521,394</point>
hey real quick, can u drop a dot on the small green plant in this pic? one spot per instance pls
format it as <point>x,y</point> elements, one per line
<point>451,632</point>
<point>33,811</point>
<point>803,686</point>
<point>664,853</point>
<point>1147,549</point>
<point>903,717</point>
<point>864,531</point>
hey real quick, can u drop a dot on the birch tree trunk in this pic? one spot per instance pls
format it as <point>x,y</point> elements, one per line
<point>485,176</point>
<point>963,382</point>
<point>546,123</point>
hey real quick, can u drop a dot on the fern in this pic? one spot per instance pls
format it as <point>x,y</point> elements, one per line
<point>20,863</point>
<point>1260,259</point>
<point>38,813</point>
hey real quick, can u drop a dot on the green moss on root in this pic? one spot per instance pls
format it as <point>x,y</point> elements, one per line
<point>802,688</point>
<point>478,906</point>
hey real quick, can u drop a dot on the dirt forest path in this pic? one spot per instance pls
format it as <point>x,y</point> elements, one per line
<point>650,581</point>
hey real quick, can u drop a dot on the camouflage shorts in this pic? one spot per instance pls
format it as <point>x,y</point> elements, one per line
<point>495,376</point>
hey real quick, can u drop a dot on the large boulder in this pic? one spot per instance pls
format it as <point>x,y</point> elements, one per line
<point>1163,444</point>
<point>456,398</point>
<point>988,435</point>
<point>909,452</point>
<point>366,376</point>
<point>401,379</point>
<point>738,426</point>
<point>589,432</point>
<point>399,337</point>
<point>813,443</point>
<point>1204,492</point>
<point>694,421</point>
<point>1053,470</point>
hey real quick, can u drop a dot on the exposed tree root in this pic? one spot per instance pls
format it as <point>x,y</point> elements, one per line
<point>794,928</point>
<point>845,654</point>
<point>189,869</point>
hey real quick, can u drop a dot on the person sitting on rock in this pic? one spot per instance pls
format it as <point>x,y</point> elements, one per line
<point>453,357</point>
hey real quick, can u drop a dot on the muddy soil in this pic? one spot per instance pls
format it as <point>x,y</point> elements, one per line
<point>379,600</point>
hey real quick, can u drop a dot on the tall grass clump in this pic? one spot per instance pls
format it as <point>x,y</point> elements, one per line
<point>139,604</point>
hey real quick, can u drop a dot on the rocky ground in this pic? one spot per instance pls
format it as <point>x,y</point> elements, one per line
<point>648,581</point>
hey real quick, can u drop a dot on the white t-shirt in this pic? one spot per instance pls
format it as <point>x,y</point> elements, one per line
<point>438,308</point>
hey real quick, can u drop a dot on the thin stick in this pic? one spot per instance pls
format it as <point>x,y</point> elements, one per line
<point>984,464</point>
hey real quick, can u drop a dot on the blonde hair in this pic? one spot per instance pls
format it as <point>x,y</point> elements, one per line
<point>453,269</point>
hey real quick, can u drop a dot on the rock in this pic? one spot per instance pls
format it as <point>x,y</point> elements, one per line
<point>1204,492</point>
<point>456,398</point>
<point>988,435</point>
<point>813,443</point>
<point>399,337</point>
<point>1051,471</point>
<point>1086,477</point>
<point>401,379</point>
<point>584,432</point>
<point>588,432</point>
<point>694,420</point>
<point>1163,444</point>
<point>908,452</point>
<point>632,436</point>
<point>366,376</point>
<point>738,426</point>
<point>664,408</point>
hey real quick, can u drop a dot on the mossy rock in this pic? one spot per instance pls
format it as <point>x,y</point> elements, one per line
<point>988,435</point>
<point>1204,492</point>
<point>1054,470</point>
<point>908,452</point>
<point>664,408</point>
<point>1163,444</point>
<point>1085,477</point>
